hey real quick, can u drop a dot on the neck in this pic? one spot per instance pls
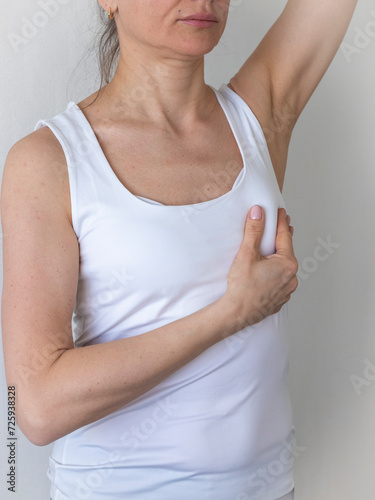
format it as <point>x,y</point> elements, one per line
<point>159,90</point>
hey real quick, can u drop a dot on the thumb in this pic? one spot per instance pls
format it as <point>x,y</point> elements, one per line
<point>253,232</point>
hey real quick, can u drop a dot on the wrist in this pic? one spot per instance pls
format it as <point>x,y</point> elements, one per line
<point>228,314</point>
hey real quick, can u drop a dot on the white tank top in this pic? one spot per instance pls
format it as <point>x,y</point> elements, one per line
<point>221,427</point>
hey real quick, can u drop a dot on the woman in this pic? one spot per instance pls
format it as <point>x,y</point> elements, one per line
<point>172,381</point>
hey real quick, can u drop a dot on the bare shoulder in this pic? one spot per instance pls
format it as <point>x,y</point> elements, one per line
<point>35,168</point>
<point>40,262</point>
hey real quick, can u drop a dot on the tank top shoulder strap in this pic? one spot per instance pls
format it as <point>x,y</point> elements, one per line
<point>242,117</point>
<point>79,145</point>
<point>249,131</point>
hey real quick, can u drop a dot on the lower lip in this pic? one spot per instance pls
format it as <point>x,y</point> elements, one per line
<point>199,23</point>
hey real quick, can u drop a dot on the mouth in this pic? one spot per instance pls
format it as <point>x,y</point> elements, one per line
<point>200,20</point>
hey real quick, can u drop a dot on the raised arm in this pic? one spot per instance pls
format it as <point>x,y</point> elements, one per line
<point>278,79</point>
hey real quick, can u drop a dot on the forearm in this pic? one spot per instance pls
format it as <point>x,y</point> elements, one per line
<point>86,384</point>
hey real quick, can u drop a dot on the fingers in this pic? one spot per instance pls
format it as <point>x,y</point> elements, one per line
<point>254,228</point>
<point>253,232</point>
<point>284,233</point>
<point>291,228</point>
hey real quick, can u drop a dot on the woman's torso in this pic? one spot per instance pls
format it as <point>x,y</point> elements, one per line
<point>208,430</point>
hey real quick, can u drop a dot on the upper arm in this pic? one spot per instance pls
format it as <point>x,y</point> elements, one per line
<point>280,76</point>
<point>40,264</point>
<point>295,53</point>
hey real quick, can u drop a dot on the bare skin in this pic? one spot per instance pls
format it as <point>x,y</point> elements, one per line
<point>176,140</point>
<point>172,166</point>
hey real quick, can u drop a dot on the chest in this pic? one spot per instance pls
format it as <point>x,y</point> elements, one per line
<point>171,170</point>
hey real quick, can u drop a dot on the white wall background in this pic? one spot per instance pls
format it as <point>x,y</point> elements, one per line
<point>329,191</point>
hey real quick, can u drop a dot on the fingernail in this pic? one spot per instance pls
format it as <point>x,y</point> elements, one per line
<point>288,219</point>
<point>292,230</point>
<point>255,213</point>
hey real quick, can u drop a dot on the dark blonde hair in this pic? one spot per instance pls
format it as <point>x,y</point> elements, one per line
<point>108,47</point>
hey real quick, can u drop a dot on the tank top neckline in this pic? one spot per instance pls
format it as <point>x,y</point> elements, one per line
<point>148,201</point>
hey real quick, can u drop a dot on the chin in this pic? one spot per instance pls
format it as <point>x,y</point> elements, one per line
<point>197,49</point>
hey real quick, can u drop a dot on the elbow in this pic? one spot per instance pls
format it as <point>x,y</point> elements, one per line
<point>37,434</point>
<point>38,438</point>
<point>35,425</point>
<point>34,410</point>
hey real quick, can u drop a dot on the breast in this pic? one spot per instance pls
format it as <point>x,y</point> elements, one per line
<point>143,265</point>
